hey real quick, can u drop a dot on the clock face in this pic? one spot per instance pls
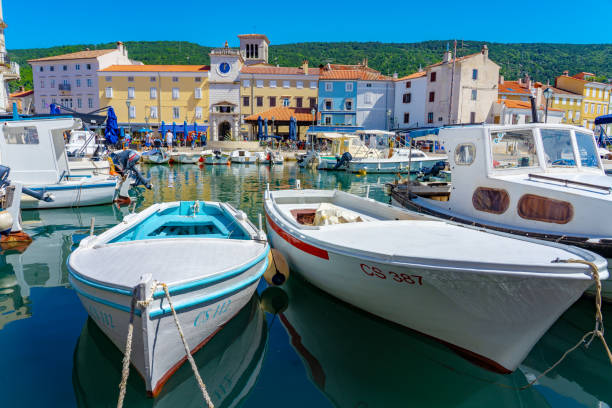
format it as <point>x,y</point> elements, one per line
<point>224,67</point>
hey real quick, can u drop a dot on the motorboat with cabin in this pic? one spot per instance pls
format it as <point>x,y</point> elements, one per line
<point>242,156</point>
<point>333,150</point>
<point>222,257</point>
<point>269,157</point>
<point>85,155</point>
<point>35,151</point>
<point>488,294</point>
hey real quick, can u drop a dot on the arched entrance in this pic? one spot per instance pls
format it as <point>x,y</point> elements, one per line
<point>225,131</point>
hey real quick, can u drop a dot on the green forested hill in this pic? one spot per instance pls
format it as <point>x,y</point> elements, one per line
<point>542,61</point>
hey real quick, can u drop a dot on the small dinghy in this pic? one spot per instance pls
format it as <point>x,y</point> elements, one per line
<point>156,156</point>
<point>489,295</point>
<point>221,256</point>
<point>217,157</point>
<point>186,158</point>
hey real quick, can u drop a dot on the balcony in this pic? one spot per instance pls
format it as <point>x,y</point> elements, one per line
<point>9,68</point>
<point>64,87</point>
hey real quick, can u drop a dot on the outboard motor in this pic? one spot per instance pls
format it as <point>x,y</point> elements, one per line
<point>39,195</point>
<point>125,164</point>
<point>217,154</point>
<point>343,160</point>
<point>433,171</point>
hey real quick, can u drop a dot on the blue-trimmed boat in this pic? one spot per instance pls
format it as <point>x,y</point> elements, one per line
<point>209,255</point>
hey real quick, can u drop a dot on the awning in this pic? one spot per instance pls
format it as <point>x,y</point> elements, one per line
<point>424,132</point>
<point>343,129</point>
<point>603,119</point>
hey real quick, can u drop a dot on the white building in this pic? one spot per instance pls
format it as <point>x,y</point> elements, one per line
<point>224,83</point>
<point>517,112</point>
<point>71,80</point>
<point>461,90</point>
<point>9,71</point>
<point>409,111</point>
<point>375,103</point>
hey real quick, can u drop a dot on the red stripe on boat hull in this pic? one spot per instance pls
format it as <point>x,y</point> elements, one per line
<point>303,246</point>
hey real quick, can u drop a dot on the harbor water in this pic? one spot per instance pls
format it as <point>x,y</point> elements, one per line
<point>291,346</point>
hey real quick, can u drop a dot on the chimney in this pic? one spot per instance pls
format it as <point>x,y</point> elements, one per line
<point>365,62</point>
<point>566,73</point>
<point>305,67</point>
<point>485,51</point>
<point>501,79</point>
<point>527,81</point>
<point>448,55</point>
<point>395,75</point>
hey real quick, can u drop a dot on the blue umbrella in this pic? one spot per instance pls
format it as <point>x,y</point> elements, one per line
<point>52,109</point>
<point>185,131</point>
<point>266,129</point>
<point>111,133</point>
<point>259,127</point>
<point>292,126</point>
<point>163,128</point>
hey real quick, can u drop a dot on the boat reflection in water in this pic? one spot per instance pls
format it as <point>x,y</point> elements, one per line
<point>229,365</point>
<point>358,360</point>
<point>42,263</point>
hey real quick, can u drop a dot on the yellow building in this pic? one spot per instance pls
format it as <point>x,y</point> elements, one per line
<point>595,97</point>
<point>264,87</point>
<point>147,95</point>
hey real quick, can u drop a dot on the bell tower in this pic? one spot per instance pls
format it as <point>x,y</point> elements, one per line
<point>254,48</point>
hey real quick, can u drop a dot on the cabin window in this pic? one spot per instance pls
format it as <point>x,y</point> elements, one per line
<point>465,154</point>
<point>558,148</point>
<point>538,208</point>
<point>21,135</point>
<point>586,150</point>
<point>514,149</point>
<point>491,200</point>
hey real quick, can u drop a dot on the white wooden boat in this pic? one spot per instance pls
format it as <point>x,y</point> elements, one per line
<point>156,156</point>
<point>401,161</point>
<point>186,158</point>
<point>222,257</point>
<point>217,157</point>
<point>489,295</point>
<point>539,180</point>
<point>34,149</point>
<point>242,156</point>
<point>229,365</point>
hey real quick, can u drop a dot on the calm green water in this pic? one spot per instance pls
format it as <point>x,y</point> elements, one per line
<point>318,352</point>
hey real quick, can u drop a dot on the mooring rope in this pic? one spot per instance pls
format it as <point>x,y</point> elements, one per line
<point>599,326</point>
<point>125,372</point>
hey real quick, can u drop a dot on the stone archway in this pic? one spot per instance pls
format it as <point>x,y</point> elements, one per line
<point>225,131</point>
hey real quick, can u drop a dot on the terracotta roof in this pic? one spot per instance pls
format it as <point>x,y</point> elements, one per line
<point>21,94</point>
<point>75,55</point>
<point>356,72</point>
<point>513,87</point>
<point>156,68</point>
<point>274,70</point>
<point>413,76</point>
<point>581,75</point>
<point>254,36</point>
<point>514,104</point>
<point>284,114</point>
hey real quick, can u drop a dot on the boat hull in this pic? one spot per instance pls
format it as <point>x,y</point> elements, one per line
<point>85,167</point>
<point>73,195</point>
<point>186,158</point>
<point>217,160</point>
<point>493,318</point>
<point>157,351</point>
<point>390,166</point>
<point>243,160</point>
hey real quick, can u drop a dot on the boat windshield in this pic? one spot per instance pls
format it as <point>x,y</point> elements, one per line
<point>587,150</point>
<point>558,148</point>
<point>513,149</point>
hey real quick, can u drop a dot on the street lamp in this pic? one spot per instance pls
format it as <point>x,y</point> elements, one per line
<point>273,125</point>
<point>313,112</point>
<point>389,119</point>
<point>548,94</point>
<point>128,104</point>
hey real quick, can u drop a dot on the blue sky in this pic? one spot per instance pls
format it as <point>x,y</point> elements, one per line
<point>44,23</point>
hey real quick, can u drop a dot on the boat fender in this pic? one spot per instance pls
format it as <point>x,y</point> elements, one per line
<point>274,300</point>
<point>362,172</point>
<point>6,222</point>
<point>278,270</point>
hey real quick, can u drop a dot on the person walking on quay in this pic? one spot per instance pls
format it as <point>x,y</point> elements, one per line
<point>148,141</point>
<point>169,139</point>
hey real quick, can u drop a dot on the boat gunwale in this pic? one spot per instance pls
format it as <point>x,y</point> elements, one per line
<point>537,271</point>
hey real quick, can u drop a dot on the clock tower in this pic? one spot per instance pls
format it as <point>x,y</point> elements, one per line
<point>224,93</point>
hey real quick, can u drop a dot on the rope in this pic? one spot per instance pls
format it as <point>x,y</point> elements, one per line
<point>599,327</point>
<point>125,372</point>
